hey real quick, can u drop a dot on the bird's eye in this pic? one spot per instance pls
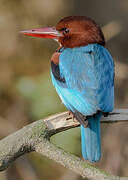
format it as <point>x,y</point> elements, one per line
<point>66,30</point>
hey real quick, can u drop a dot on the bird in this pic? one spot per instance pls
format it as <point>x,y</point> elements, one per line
<point>82,72</point>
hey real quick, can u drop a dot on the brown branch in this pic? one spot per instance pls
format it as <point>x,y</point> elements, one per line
<point>36,136</point>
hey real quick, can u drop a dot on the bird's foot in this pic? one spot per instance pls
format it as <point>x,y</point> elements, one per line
<point>86,123</point>
<point>71,116</point>
<point>105,114</point>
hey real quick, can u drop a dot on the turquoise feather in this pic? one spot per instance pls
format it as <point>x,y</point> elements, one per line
<point>89,88</point>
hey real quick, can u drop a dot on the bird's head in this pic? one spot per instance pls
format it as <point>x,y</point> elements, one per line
<point>72,31</point>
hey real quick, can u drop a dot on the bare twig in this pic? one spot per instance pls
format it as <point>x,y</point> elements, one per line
<point>36,136</point>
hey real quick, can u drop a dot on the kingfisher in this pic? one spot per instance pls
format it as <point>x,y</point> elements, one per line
<point>82,72</point>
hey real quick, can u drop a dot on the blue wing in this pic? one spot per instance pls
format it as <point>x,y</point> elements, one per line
<point>89,79</point>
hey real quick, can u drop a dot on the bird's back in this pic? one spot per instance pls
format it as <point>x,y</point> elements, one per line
<point>88,74</point>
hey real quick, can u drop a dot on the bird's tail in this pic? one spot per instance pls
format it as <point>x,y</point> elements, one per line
<point>90,137</point>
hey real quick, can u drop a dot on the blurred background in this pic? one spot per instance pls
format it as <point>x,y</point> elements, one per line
<point>26,91</point>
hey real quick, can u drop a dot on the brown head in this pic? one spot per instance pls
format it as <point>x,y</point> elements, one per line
<point>72,31</point>
<point>79,31</point>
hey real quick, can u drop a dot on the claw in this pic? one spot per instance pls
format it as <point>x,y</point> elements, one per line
<point>71,116</point>
<point>86,124</point>
<point>105,114</point>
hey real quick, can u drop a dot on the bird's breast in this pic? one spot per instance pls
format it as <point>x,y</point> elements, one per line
<point>55,58</point>
<point>55,65</point>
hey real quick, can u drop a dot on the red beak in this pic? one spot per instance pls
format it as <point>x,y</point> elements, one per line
<point>46,32</point>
